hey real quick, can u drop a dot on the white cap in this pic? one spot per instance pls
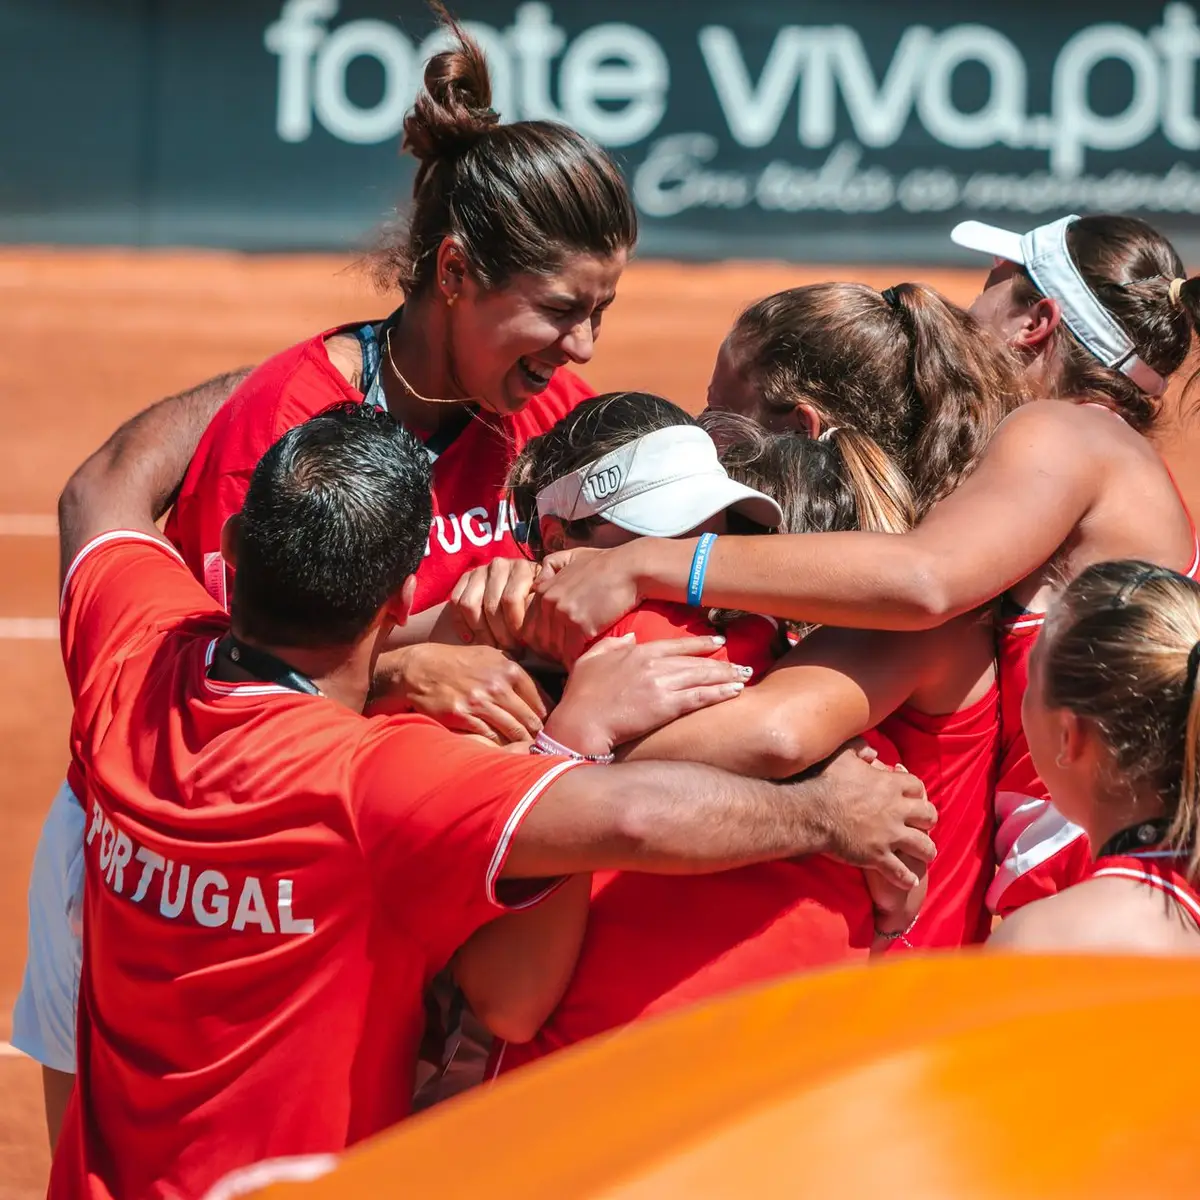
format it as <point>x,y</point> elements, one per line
<point>1044,255</point>
<point>661,485</point>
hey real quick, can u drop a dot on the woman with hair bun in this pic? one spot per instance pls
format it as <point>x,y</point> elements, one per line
<point>509,257</point>
<point>1113,725</point>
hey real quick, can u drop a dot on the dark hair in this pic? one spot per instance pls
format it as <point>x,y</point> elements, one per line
<point>1117,650</point>
<point>588,432</point>
<point>336,518</point>
<point>518,198</point>
<point>837,483</point>
<point>1129,266</point>
<point>916,374</point>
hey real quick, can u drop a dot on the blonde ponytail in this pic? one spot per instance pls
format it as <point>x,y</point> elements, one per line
<point>883,498</point>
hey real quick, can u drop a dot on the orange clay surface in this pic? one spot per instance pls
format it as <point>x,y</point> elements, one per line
<point>89,337</point>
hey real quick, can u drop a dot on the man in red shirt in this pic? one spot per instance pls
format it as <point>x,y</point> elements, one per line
<point>474,688</point>
<point>271,877</point>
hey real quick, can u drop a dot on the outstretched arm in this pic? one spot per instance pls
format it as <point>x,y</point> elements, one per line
<point>835,685</point>
<point>1034,485</point>
<point>131,481</point>
<point>682,819</point>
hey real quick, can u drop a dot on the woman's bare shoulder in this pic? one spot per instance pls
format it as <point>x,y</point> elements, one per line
<point>346,355</point>
<point>1104,915</point>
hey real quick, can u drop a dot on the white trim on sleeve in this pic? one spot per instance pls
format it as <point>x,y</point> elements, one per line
<point>511,826</point>
<point>113,535</point>
<point>1030,831</point>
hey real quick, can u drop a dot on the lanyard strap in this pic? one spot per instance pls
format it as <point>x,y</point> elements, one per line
<point>264,666</point>
<point>1136,837</point>
<point>368,341</point>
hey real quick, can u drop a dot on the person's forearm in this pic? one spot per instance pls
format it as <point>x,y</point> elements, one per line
<point>668,818</point>
<point>859,580</point>
<point>748,736</point>
<point>515,970</point>
<point>133,479</point>
<point>192,411</point>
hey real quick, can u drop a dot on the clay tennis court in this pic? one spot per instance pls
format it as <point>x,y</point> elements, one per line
<point>88,338</point>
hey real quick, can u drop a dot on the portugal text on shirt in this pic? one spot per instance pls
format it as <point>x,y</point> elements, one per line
<point>208,889</point>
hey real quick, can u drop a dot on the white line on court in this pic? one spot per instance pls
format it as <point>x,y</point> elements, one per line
<point>29,629</point>
<point>28,525</point>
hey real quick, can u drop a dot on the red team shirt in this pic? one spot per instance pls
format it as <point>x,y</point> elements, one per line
<point>654,944</point>
<point>471,522</point>
<point>955,755</point>
<point>272,879</point>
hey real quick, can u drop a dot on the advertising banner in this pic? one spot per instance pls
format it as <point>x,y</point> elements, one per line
<point>812,129</point>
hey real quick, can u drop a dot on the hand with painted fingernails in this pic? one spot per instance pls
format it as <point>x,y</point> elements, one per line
<point>620,691</point>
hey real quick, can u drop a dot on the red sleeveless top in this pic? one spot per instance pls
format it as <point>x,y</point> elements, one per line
<point>955,755</point>
<point>1158,869</point>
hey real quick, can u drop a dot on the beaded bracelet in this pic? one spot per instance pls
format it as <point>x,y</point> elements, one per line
<point>545,744</point>
<point>902,936</point>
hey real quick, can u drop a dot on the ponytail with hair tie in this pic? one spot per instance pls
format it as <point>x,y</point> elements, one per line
<point>1193,665</point>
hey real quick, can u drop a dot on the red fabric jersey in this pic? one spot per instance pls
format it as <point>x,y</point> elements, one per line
<point>471,523</point>
<point>271,881</point>
<point>654,944</point>
<point>1159,869</point>
<point>955,756</point>
<point>750,641</point>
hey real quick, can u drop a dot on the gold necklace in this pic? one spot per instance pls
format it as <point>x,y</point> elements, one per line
<point>412,391</point>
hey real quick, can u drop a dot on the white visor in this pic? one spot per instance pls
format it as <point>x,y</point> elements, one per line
<point>660,485</point>
<point>1043,253</point>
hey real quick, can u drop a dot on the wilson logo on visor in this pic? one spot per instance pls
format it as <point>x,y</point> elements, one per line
<point>602,484</point>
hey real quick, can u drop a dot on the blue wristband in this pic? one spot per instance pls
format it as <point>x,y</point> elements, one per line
<point>695,589</point>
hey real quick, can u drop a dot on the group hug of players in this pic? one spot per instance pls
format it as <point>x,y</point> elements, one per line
<point>460,714</point>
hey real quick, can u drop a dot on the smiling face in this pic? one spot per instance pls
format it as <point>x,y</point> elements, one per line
<point>507,342</point>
